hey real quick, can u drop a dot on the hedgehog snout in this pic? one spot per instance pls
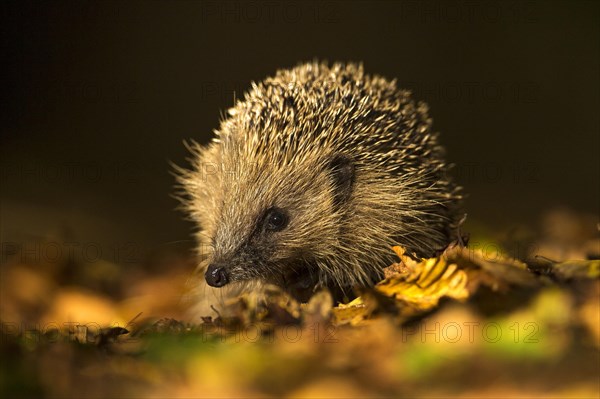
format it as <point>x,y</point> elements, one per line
<point>216,275</point>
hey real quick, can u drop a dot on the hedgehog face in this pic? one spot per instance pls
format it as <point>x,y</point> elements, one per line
<point>274,238</point>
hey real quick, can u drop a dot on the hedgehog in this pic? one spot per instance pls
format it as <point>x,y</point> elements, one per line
<point>313,177</point>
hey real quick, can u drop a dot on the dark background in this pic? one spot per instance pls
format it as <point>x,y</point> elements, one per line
<point>98,97</point>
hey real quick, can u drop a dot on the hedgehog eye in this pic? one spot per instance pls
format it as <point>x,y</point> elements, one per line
<point>276,219</point>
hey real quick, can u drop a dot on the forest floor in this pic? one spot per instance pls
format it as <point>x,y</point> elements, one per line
<point>511,314</point>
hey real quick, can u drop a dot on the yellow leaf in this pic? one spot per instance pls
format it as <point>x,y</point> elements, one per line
<point>428,281</point>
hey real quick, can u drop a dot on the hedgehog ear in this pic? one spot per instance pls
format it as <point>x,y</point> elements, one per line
<point>341,169</point>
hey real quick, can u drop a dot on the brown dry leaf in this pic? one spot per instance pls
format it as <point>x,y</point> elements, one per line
<point>429,281</point>
<point>271,306</point>
<point>411,288</point>
<point>576,269</point>
<point>280,308</point>
<point>495,270</point>
<point>318,310</point>
<point>403,267</point>
<point>416,287</point>
<point>353,313</point>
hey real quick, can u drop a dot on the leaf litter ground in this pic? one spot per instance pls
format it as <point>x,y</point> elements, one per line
<point>471,322</point>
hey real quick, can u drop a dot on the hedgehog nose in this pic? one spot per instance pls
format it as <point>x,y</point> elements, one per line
<point>216,275</point>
